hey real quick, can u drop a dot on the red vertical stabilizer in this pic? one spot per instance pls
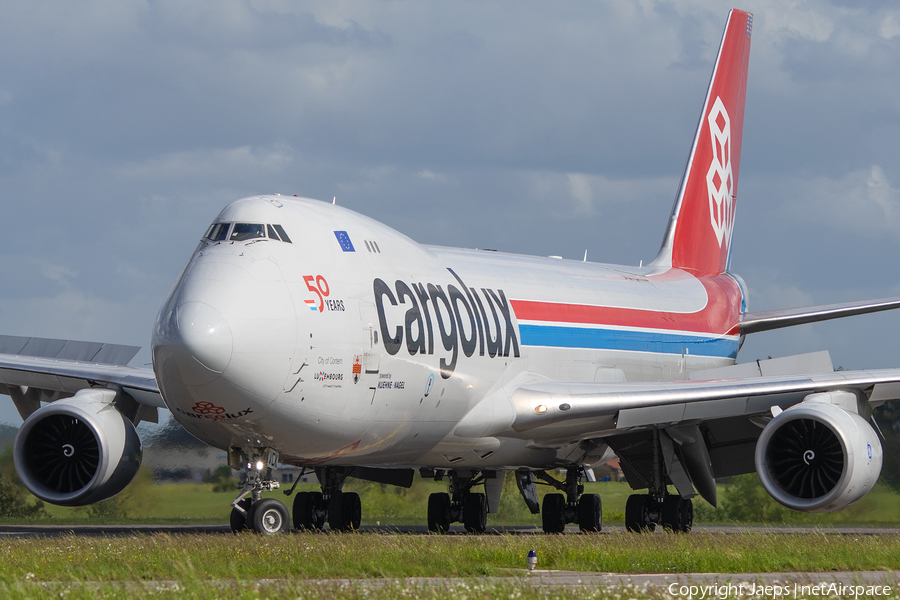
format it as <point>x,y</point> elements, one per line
<point>698,237</point>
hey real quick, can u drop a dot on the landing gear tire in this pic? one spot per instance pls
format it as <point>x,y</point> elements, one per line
<point>671,513</point>
<point>590,513</point>
<point>344,511</point>
<point>439,513</point>
<point>475,512</point>
<point>269,517</point>
<point>320,508</point>
<point>307,510</point>
<point>238,518</point>
<point>637,514</point>
<point>553,515</point>
<point>677,514</point>
<point>352,511</point>
<point>688,508</point>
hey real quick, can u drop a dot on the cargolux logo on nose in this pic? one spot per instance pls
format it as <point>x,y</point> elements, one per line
<point>719,179</point>
<point>207,408</point>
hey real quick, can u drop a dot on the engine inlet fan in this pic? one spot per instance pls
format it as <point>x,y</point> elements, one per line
<point>63,453</point>
<point>806,458</point>
<point>78,450</point>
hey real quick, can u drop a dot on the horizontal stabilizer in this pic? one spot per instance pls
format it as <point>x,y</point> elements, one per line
<point>775,319</point>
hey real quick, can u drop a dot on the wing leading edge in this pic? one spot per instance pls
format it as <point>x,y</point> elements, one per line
<point>33,370</point>
<point>561,410</point>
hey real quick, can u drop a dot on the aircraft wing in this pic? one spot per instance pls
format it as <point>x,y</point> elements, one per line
<point>37,369</point>
<point>726,415</point>
<point>564,410</point>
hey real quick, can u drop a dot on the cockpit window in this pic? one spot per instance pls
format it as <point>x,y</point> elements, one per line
<point>217,232</point>
<point>247,231</point>
<point>240,232</point>
<point>282,233</point>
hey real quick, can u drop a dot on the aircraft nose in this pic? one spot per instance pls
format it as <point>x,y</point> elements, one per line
<point>194,337</point>
<point>206,336</point>
<point>226,333</point>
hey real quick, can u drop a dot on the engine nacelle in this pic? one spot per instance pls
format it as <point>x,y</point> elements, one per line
<point>817,456</point>
<point>77,451</point>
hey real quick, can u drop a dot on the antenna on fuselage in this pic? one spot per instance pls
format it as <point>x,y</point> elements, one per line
<point>585,255</point>
<point>334,200</point>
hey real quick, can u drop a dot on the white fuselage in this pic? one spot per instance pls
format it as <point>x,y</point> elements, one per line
<point>354,344</point>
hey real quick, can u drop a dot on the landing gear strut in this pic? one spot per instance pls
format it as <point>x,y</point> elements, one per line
<point>571,506</point>
<point>249,510</point>
<point>461,504</point>
<point>643,512</point>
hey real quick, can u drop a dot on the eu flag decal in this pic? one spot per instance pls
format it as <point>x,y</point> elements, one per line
<point>344,240</point>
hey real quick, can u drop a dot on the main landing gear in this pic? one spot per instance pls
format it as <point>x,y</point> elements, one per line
<point>461,504</point>
<point>643,512</point>
<point>571,506</point>
<point>342,510</point>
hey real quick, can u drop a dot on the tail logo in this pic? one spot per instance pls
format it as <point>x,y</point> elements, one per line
<point>719,180</point>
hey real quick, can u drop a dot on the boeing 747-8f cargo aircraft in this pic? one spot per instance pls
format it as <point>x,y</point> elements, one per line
<point>303,333</point>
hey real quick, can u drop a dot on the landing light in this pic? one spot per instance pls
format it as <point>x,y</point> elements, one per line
<point>540,409</point>
<point>259,465</point>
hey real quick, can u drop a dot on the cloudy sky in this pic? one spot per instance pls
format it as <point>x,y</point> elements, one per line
<point>533,127</point>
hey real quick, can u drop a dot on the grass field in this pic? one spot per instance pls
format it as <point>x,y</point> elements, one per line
<point>326,556</point>
<point>377,565</point>
<point>214,565</point>
<point>293,566</point>
<point>513,589</point>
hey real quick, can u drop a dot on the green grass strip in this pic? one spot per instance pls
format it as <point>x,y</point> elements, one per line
<point>326,556</point>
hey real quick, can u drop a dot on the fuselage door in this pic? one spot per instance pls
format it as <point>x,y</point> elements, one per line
<point>371,359</point>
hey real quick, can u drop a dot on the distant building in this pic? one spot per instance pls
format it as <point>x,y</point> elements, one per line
<point>611,471</point>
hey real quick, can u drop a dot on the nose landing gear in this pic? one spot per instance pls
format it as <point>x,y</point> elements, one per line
<point>311,510</point>
<point>249,510</point>
<point>269,516</point>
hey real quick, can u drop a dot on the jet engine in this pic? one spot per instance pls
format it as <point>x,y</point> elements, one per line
<point>77,451</point>
<point>819,455</point>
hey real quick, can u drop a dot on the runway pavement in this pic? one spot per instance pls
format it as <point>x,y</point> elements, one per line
<point>126,530</point>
